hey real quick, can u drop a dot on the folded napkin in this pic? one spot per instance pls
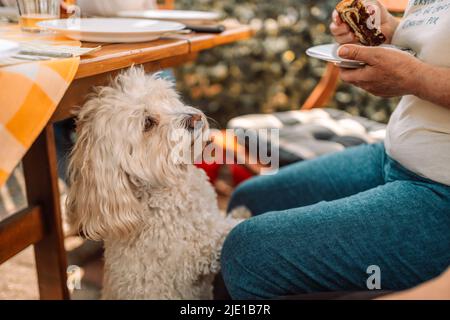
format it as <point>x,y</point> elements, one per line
<point>39,51</point>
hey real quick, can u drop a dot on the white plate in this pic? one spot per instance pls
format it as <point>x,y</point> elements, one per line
<point>115,30</point>
<point>8,48</point>
<point>184,16</point>
<point>328,52</point>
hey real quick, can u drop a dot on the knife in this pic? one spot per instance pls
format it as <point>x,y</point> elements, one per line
<point>206,29</point>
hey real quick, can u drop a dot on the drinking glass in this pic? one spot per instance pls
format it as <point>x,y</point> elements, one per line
<point>33,11</point>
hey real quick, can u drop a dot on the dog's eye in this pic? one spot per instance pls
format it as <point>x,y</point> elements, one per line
<point>149,123</point>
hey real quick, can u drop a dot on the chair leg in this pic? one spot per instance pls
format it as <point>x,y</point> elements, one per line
<point>41,176</point>
<point>238,152</point>
<point>324,90</point>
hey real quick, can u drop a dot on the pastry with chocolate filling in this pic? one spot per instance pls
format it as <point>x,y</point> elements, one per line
<point>356,15</point>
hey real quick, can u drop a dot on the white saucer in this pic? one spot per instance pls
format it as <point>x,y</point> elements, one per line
<point>112,30</point>
<point>328,52</point>
<point>8,48</point>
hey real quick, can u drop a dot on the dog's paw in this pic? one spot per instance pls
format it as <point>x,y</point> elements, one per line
<point>241,213</point>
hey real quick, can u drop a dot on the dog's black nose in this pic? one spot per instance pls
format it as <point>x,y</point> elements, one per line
<point>195,121</point>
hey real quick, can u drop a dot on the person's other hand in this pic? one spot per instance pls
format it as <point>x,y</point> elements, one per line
<point>341,31</point>
<point>388,72</point>
<point>344,35</point>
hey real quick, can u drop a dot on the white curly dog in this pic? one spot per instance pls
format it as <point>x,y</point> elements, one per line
<point>158,218</point>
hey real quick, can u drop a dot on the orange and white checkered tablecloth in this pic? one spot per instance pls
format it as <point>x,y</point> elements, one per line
<point>29,94</point>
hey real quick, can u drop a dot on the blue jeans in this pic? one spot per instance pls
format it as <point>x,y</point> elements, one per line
<point>320,224</point>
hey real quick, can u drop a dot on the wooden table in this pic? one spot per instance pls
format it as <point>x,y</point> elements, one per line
<point>40,223</point>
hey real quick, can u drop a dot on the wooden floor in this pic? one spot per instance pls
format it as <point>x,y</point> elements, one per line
<point>19,279</point>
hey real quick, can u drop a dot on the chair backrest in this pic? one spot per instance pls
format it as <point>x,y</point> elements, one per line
<point>166,4</point>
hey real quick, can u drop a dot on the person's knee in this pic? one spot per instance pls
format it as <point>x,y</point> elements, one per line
<point>232,250</point>
<point>235,258</point>
<point>258,262</point>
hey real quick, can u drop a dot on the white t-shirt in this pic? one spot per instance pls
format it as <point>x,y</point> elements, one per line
<point>418,134</point>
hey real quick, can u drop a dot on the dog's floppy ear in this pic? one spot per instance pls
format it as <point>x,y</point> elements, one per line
<point>100,203</point>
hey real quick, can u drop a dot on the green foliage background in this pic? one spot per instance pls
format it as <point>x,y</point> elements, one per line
<point>271,71</point>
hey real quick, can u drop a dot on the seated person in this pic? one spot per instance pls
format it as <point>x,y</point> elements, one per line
<point>320,225</point>
<point>111,7</point>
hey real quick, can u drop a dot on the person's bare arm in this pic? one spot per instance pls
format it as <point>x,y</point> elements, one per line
<point>390,73</point>
<point>433,84</point>
<point>436,289</point>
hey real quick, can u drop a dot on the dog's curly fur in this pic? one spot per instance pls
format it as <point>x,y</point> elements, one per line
<point>159,220</point>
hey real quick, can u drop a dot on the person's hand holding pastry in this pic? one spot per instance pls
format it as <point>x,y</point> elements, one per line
<point>369,24</point>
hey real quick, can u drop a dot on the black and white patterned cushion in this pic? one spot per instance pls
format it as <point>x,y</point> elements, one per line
<point>307,134</point>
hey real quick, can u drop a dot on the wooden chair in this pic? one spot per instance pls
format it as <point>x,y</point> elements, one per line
<point>319,97</point>
<point>40,223</point>
<point>166,4</point>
